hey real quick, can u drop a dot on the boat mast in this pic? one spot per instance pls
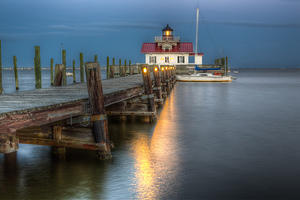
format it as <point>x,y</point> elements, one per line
<point>197,22</point>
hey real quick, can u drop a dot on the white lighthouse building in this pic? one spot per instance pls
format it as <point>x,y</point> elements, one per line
<point>169,50</point>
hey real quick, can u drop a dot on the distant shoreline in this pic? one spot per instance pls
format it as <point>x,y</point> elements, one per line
<point>43,68</point>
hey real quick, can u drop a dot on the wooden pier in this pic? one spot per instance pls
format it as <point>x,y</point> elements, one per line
<point>76,115</point>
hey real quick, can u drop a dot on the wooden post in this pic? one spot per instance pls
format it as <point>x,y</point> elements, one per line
<point>98,118</point>
<point>16,72</point>
<point>167,80</point>
<point>130,68</point>
<point>58,78</point>
<point>74,72</point>
<point>95,58</point>
<point>148,88</point>
<point>81,68</point>
<point>120,67</point>
<point>64,62</point>
<point>1,88</point>
<point>125,67</point>
<point>9,143</point>
<point>58,151</point>
<point>157,84</point>
<point>37,68</point>
<point>107,67</point>
<point>112,71</point>
<point>112,68</point>
<point>163,81</point>
<point>51,71</point>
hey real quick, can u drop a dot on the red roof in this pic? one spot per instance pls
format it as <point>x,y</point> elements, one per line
<point>182,47</point>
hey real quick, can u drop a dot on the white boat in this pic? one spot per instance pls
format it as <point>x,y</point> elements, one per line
<point>203,77</point>
<point>69,74</point>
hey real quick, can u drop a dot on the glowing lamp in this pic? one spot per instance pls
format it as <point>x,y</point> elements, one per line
<point>145,70</point>
<point>155,69</point>
<point>162,68</point>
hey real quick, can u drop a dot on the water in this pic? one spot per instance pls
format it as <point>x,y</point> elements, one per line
<point>27,79</point>
<point>235,140</point>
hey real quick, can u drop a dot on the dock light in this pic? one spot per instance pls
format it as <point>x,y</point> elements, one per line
<point>166,68</point>
<point>162,68</point>
<point>145,70</point>
<point>155,69</point>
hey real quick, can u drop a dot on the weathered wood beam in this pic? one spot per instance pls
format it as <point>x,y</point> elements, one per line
<point>157,83</point>
<point>59,77</point>
<point>98,118</point>
<point>63,143</point>
<point>148,88</point>
<point>11,122</point>
<point>130,113</point>
<point>9,143</point>
<point>71,137</point>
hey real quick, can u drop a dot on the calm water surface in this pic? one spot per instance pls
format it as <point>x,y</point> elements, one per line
<point>235,140</point>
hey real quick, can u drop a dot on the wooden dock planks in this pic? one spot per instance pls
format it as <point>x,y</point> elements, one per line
<point>55,96</point>
<point>38,107</point>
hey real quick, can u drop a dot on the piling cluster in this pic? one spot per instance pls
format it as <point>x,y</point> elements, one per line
<point>223,63</point>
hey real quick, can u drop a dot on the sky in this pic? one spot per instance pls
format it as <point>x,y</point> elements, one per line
<point>252,33</point>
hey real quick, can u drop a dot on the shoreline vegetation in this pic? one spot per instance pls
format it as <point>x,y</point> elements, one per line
<point>43,68</point>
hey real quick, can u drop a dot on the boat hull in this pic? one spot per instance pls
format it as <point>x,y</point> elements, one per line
<point>187,78</point>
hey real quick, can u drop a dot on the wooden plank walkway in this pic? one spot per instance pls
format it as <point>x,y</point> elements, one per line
<point>46,116</point>
<point>34,99</point>
<point>38,107</point>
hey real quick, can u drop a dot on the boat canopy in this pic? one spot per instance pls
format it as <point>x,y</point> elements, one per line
<point>200,68</point>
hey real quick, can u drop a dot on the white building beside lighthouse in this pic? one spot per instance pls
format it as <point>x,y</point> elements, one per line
<point>169,50</point>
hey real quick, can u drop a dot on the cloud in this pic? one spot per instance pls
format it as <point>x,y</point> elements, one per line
<point>253,24</point>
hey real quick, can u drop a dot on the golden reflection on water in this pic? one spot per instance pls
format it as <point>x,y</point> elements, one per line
<point>156,159</point>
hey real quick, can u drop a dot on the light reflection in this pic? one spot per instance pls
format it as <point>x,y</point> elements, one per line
<point>157,157</point>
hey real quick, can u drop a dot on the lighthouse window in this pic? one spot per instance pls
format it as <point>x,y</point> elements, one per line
<point>152,59</point>
<point>167,60</point>
<point>180,59</point>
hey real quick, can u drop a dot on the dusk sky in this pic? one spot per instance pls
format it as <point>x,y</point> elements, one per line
<point>252,33</point>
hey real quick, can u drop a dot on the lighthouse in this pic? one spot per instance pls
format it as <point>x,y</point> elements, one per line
<point>169,50</point>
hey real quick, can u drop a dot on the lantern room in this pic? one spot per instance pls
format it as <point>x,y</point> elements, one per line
<point>167,32</point>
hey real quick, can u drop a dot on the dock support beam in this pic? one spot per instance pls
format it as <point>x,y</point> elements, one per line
<point>98,118</point>
<point>8,143</point>
<point>148,89</point>
<point>59,77</point>
<point>157,85</point>
<point>58,151</point>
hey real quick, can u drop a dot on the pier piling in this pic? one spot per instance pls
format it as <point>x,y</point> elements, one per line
<point>98,115</point>
<point>64,62</point>
<point>58,151</point>
<point>1,88</point>
<point>125,67</point>
<point>157,85</point>
<point>51,71</point>
<point>37,68</point>
<point>74,72</point>
<point>81,68</point>
<point>148,88</point>
<point>58,78</point>
<point>16,72</point>
<point>95,58</point>
<point>107,68</point>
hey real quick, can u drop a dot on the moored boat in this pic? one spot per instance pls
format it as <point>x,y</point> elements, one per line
<point>203,77</point>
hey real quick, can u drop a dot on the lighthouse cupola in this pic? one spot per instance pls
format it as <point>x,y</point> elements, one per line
<point>167,32</point>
